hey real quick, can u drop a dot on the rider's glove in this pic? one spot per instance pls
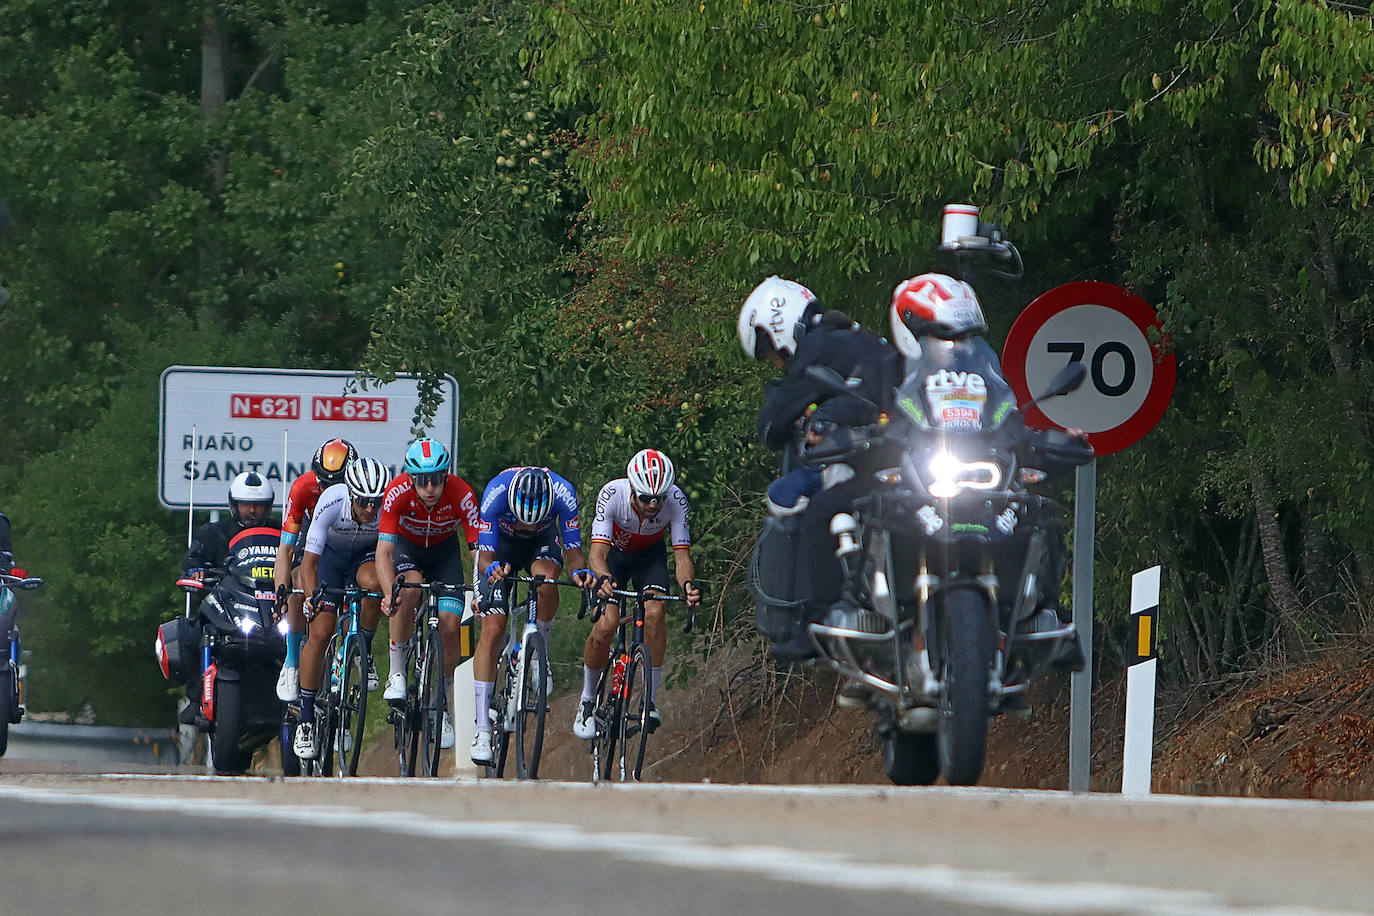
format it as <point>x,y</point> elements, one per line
<point>491,568</point>
<point>581,573</point>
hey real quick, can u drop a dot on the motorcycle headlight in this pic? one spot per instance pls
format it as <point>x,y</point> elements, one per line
<point>247,625</point>
<point>947,475</point>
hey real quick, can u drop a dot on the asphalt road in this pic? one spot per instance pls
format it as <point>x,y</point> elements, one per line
<point>113,845</point>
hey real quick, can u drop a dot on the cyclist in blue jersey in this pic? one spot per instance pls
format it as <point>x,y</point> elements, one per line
<point>528,521</point>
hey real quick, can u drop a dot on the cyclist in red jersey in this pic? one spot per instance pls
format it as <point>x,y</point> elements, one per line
<point>421,513</point>
<point>326,469</point>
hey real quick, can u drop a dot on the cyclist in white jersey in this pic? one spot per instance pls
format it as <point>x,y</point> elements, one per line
<point>340,547</point>
<point>633,515</point>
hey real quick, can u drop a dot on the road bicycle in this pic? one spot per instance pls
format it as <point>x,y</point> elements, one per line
<point>419,717</point>
<point>11,667</point>
<point>622,700</point>
<point>341,703</point>
<point>520,699</point>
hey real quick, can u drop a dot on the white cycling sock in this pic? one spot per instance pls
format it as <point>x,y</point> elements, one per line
<point>482,690</point>
<point>655,680</point>
<point>590,677</point>
<point>397,655</point>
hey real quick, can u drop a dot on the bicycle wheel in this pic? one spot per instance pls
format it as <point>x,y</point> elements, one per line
<point>351,706</point>
<point>607,718</point>
<point>327,709</point>
<point>533,706</point>
<point>635,706</point>
<point>500,738</point>
<point>433,704</point>
<point>407,712</point>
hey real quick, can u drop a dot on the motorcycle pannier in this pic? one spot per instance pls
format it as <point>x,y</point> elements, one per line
<point>779,578</point>
<point>178,641</point>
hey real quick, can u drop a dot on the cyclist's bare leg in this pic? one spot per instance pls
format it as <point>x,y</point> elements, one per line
<point>371,610</point>
<point>597,652</point>
<point>312,653</point>
<point>295,605</point>
<point>450,626</point>
<point>655,632</point>
<point>402,622</point>
<point>489,646</point>
<point>548,594</point>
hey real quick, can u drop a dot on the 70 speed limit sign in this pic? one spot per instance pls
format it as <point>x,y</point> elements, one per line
<point>1130,377</point>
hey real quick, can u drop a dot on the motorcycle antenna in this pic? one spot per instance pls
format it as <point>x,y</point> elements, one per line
<point>285,486</point>
<point>191,506</point>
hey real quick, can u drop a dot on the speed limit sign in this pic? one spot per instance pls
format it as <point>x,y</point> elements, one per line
<point>1130,376</point>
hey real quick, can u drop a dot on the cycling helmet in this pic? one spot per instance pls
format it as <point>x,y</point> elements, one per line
<point>531,495</point>
<point>426,456</point>
<point>650,473</point>
<point>935,305</point>
<point>330,460</point>
<point>250,489</point>
<point>366,478</point>
<point>775,310</point>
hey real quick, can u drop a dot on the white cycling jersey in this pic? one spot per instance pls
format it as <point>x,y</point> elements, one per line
<point>332,525</point>
<point>618,524</point>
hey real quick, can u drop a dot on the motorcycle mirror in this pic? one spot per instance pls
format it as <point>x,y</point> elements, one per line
<point>1065,380</point>
<point>827,377</point>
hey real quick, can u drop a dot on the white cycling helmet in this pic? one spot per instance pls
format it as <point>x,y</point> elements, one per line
<point>367,478</point>
<point>775,309</point>
<point>650,473</point>
<point>935,305</point>
<point>250,489</point>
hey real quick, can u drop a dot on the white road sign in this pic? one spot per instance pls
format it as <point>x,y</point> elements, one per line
<point>272,420</point>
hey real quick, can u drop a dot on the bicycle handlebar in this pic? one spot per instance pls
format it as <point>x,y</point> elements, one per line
<point>399,584</point>
<point>22,583</point>
<point>647,593</point>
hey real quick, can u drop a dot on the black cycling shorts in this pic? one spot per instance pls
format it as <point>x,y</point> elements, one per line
<point>519,553</point>
<point>635,570</point>
<point>441,562</point>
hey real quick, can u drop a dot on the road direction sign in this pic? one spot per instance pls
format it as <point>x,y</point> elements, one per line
<point>1130,372</point>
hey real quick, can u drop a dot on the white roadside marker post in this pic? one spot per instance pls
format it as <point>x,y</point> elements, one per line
<point>1138,754</point>
<point>464,710</point>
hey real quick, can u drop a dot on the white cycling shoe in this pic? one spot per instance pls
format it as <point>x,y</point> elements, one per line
<point>395,686</point>
<point>305,744</point>
<point>584,723</point>
<point>481,749</point>
<point>446,734</point>
<point>289,684</point>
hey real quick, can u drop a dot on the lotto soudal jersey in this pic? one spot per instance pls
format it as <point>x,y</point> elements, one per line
<point>333,526</point>
<point>619,523</point>
<point>403,515</point>
<point>498,519</point>
<point>301,500</point>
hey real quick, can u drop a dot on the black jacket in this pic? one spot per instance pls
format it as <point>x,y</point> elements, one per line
<point>851,351</point>
<point>6,549</point>
<point>210,546</point>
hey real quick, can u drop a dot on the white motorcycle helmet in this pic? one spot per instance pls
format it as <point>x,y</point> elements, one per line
<point>775,309</point>
<point>936,305</point>
<point>250,489</point>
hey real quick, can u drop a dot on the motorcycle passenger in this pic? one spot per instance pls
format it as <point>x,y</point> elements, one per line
<point>937,324</point>
<point>529,519</point>
<point>633,513</point>
<point>783,322</point>
<point>340,547</point>
<point>326,469</point>
<point>250,506</point>
<point>421,514</point>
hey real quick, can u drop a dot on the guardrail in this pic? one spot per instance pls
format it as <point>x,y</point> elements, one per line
<point>92,744</point>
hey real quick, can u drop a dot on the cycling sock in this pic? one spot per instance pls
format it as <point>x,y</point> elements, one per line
<point>545,627</point>
<point>655,679</point>
<point>482,690</point>
<point>293,649</point>
<point>307,705</point>
<point>590,678</point>
<point>367,637</point>
<point>397,656</point>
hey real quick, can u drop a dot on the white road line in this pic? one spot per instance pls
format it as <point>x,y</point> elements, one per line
<point>831,870</point>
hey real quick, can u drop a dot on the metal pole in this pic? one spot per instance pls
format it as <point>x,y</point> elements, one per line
<point>191,507</point>
<point>1080,707</point>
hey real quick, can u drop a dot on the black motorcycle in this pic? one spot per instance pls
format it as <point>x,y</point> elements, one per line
<point>11,665</point>
<point>234,645</point>
<point>948,614</point>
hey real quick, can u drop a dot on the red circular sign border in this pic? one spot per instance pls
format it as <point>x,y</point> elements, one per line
<point>1107,295</point>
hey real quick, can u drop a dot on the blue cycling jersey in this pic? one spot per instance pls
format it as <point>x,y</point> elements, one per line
<point>497,519</point>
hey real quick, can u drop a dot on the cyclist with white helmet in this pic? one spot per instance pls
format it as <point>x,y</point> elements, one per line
<point>422,512</point>
<point>633,515</point>
<point>529,519</point>
<point>340,547</point>
<point>326,469</point>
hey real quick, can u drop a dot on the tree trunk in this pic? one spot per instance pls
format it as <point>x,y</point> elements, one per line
<point>212,89</point>
<point>1281,590</point>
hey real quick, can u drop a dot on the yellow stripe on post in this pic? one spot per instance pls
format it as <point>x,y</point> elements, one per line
<point>465,640</point>
<point>1143,630</point>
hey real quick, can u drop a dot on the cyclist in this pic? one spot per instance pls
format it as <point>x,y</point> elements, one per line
<point>421,513</point>
<point>326,469</point>
<point>529,518</point>
<point>340,547</point>
<point>633,513</point>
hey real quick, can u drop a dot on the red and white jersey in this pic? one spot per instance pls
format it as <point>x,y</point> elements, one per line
<point>618,523</point>
<point>403,515</point>
<point>300,503</point>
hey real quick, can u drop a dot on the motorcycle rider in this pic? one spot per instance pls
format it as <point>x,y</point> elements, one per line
<point>783,322</point>
<point>326,469</point>
<point>9,601</point>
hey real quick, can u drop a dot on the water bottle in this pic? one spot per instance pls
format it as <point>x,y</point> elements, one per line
<point>618,676</point>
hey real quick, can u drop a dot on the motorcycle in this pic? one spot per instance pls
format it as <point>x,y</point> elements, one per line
<point>235,645</point>
<point>950,589</point>
<point>12,670</point>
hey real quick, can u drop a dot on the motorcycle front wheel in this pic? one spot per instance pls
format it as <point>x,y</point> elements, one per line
<point>966,641</point>
<point>226,753</point>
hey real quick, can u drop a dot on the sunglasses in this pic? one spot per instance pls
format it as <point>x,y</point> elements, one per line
<point>432,479</point>
<point>649,500</point>
<point>368,502</point>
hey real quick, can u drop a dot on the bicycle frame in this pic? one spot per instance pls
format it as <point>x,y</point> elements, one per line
<point>411,717</point>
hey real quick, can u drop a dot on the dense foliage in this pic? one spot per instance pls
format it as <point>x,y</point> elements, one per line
<point>563,203</point>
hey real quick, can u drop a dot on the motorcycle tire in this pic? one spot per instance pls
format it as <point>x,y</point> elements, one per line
<point>228,757</point>
<point>911,759</point>
<point>966,641</point>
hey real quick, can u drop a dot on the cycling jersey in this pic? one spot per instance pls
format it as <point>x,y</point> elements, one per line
<point>403,515</point>
<point>618,523</point>
<point>497,519</point>
<point>301,500</point>
<point>333,525</point>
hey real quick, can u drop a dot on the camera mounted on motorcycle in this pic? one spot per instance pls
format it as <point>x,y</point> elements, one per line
<point>963,234</point>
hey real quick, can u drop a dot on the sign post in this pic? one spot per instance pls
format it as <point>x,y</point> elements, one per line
<point>1130,381</point>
